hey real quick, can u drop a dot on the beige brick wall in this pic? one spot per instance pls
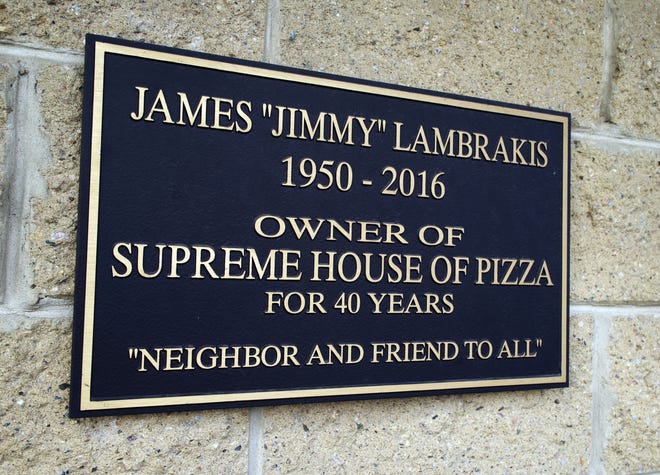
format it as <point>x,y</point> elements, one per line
<point>597,60</point>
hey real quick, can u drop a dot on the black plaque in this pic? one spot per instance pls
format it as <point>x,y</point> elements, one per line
<point>252,234</point>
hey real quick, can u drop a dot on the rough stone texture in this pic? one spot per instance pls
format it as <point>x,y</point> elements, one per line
<point>633,444</point>
<point>615,211</point>
<point>447,434</point>
<point>223,27</point>
<point>545,54</point>
<point>636,92</point>
<point>5,79</point>
<point>5,87</point>
<point>54,218</point>
<point>36,436</point>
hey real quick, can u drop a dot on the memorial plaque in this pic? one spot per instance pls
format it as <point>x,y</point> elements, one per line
<point>252,234</point>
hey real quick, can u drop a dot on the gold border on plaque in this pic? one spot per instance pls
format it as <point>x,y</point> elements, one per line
<point>87,404</point>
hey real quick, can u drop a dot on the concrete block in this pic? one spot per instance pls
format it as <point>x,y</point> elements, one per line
<point>615,211</point>
<point>228,28</point>
<point>36,436</point>
<point>633,445</point>
<point>545,431</point>
<point>54,217</point>
<point>537,53</point>
<point>636,92</point>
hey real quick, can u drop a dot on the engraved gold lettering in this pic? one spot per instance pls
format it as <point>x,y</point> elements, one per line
<point>213,359</point>
<point>510,263</point>
<point>154,361</point>
<point>484,349</point>
<point>470,144</point>
<point>464,144</point>
<point>529,263</point>
<point>376,300</point>
<point>483,266</point>
<point>436,236</point>
<point>397,138</point>
<point>177,259</point>
<point>316,357</point>
<point>290,352</point>
<point>399,268</point>
<point>312,130</point>
<point>272,227</point>
<point>294,303</point>
<point>448,300</point>
<point>517,352</point>
<point>328,265</point>
<point>544,273</point>
<point>342,266</point>
<point>189,357</point>
<point>259,225</point>
<point>280,122</point>
<point>446,147</point>
<point>122,259</point>
<point>184,106</point>
<point>344,353</point>
<point>369,229</point>
<point>517,154</point>
<point>225,355</point>
<point>140,260</point>
<point>306,227</point>
<point>346,131</point>
<point>173,355</point>
<point>504,351</point>
<point>542,148</point>
<point>501,150</point>
<point>221,357</point>
<point>394,230</point>
<point>411,304</point>
<point>160,105</point>
<point>242,108</point>
<point>252,358</point>
<point>222,111</point>
<point>413,351</point>
<point>140,112</point>
<point>455,268</point>
<point>199,262</point>
<point>219,113</point>
<point>236,262</point>
<point>532,153</point>
<point>279,264</point>
<point>480,144</point>
<point>261,269</point>
<point>515,272</point>
<point>324,127</point>
<point>366,130</point>
<point>420,139</point>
